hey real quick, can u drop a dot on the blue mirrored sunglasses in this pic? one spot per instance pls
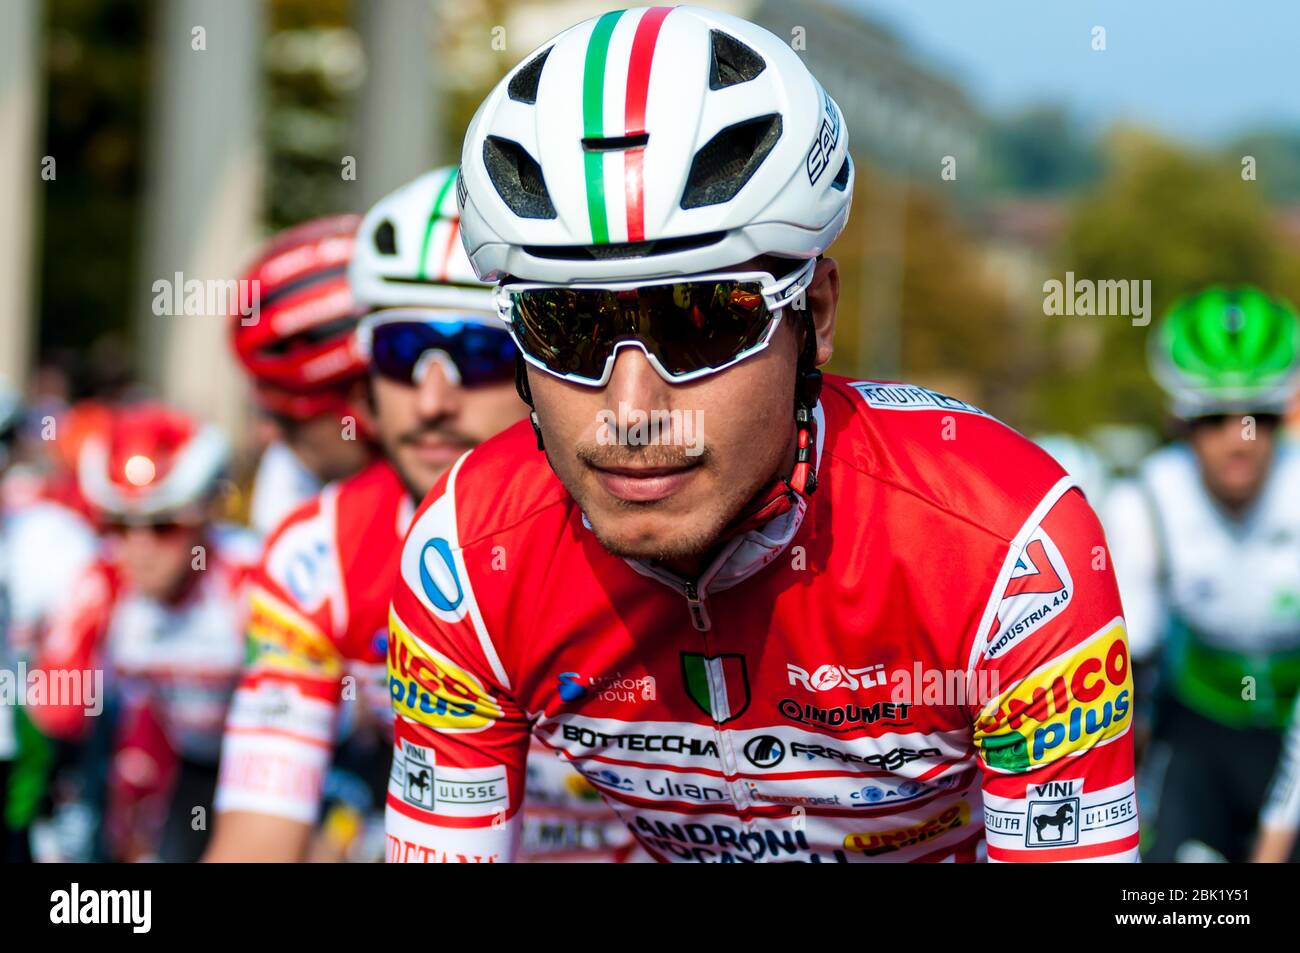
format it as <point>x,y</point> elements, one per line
<point>397,345</point>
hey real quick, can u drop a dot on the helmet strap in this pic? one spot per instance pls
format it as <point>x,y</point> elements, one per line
<point>526,395</point>
<point>808,387</point>
<point>782,494</point>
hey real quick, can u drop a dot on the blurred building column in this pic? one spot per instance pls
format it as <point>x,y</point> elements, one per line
<point>20,182</point>
<point>398,131</point>
<point>203,187</point>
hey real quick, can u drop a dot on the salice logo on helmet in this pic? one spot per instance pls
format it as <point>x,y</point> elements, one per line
<point>828,137</point>
<point>461,190</point>
<point>438,575</point>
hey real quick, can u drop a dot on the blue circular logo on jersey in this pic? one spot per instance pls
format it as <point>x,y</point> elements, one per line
<point>438,575</point>
<point>303,576</point>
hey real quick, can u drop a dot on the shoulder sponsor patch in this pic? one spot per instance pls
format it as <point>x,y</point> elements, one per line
<point>886,396</point>
<point>1039,590</point>
<point>430,689</point>
<point>1067,706</point>
<point>282,639</point>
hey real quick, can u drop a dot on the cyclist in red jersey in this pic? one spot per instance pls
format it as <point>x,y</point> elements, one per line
<point>441,381</point>
<point>299,347</point>
<point>881,628</point>
<point>159,616</point>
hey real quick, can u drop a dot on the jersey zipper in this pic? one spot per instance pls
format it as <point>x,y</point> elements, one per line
<point>699,615</point>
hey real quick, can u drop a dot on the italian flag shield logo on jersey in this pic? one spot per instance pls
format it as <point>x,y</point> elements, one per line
<point>718,684</point>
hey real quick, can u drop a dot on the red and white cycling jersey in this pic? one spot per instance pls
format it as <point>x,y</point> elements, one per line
<point>181,660</point>
<point>923,661</point>
<point>318,617</point>
<point>315,618</point>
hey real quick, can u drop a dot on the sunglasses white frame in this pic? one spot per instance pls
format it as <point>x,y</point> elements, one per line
<point>777,295</point>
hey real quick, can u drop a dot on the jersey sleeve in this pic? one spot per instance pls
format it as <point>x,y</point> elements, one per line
<point>51,548</point>
<point>1054,697</point>
<point>68,662</point>
<point>1135,547</point>
<point>1282,805</point>
<point>279,734</point>
<point>460,742</point>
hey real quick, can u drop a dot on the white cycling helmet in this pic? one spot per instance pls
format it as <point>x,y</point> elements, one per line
<point>408,251</point>
<point>648,143</point>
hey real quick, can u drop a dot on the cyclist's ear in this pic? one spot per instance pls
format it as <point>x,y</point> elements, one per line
<point>361,401</point>
<point>823,300</point>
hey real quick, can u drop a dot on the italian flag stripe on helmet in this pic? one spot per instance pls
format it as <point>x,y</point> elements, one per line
<point>638,89</point>
<point>635,87</point>
<point>435,213</point>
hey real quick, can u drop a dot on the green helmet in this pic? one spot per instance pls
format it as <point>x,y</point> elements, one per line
<point>1225,350</point>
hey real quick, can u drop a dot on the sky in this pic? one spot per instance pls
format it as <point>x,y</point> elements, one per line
<point>1199,70</point>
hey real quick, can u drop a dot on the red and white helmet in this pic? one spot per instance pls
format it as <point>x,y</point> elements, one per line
<point>154,461</point>
<point>299,344</point>
<point>653,142</point>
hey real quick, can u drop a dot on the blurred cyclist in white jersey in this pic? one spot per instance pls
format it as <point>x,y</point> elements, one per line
<point>1206,543</point>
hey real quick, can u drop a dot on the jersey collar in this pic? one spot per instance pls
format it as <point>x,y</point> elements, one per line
<point>745,553</point>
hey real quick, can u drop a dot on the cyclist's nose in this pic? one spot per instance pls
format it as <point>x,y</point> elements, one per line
<point>636,383</point>
<point>437,386</point>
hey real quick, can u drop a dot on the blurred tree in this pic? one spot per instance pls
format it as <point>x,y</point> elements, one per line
<point>1277,161</point>
<point>1179,219</point>
<point>477,57</point>
<point>956,330</point>
<point>97,71</point>
<point>1039,150</point>
<point>959,331</point>
<point>313,63</point>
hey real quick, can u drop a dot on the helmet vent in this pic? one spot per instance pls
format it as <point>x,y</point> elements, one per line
<point>523,85</point>
<point>623,250</point>
<point>615,143</point>
<point>1234,319</point>
<point>841,180</point>
<point>518,178</point>
<point>386,238</point>
<point>728,160</point>
<point>733,62</point>
<point>309,338</point>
